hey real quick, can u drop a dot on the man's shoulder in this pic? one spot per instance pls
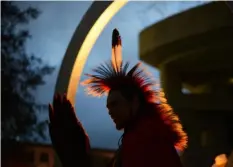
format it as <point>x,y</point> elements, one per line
<point>146,128</point>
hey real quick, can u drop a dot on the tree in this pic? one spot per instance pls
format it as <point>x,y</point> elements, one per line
<point>21,74</point>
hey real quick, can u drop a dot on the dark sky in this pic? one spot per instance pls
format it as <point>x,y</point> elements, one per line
<point>52,31</point>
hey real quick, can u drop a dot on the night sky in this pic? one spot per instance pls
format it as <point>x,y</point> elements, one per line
<point>52,32</point>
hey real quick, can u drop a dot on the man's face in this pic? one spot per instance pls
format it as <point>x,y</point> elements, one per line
<point>119,109</point>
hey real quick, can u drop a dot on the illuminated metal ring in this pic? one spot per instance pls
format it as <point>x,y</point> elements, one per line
<point>85,36</point>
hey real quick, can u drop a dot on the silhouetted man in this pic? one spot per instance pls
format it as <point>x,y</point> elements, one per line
<point>152,132</point>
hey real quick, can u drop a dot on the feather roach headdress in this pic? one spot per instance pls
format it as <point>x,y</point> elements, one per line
<point>115,75</point>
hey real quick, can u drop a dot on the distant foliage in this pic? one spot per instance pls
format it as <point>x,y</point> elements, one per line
<point>21,74</point>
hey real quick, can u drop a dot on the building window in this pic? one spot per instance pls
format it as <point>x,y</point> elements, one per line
<point>44,157</point>
<point>204,138</point>
<point>186,91</point>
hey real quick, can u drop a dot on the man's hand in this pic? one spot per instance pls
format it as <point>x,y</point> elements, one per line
<point>67,134</point>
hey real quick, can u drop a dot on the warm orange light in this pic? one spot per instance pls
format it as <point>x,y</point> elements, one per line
<point>231,80</point>
<point>220,160</point>
<point>87,45</point>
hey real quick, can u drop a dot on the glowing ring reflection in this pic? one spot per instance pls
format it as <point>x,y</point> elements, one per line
<point>72,67</point>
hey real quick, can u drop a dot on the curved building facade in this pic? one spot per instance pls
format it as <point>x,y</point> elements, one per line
<point>193,51</point>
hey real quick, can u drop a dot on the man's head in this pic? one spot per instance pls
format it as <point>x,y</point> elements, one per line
<point>123,105</point>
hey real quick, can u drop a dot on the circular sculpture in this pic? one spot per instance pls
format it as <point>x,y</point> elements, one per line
<point>85,36</point>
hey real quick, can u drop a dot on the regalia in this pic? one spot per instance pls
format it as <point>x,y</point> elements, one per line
<point>115,74</point>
